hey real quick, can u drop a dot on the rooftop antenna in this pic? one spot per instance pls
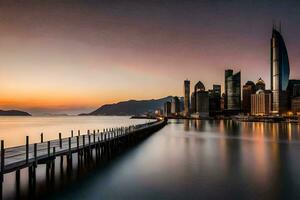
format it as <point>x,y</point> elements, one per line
<point>280,26</point>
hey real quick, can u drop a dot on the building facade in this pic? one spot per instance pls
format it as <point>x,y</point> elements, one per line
<point>295,105</point>
<point>215,100</point>
<point>260,84</point>
<point>202,103</point>
<point>293,91</point>
<point>167,108</point>
<point>280,71</point>
<point>248,89</point>
<point>175,106</point>
<point>232,91</point>
<point>186,98</point>
<point>261,103</point>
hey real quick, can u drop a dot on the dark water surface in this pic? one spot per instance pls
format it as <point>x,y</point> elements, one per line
<point>201,160</point>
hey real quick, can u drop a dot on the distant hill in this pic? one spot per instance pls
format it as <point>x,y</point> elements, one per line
<point>13,113</point>
<point>131,107</point>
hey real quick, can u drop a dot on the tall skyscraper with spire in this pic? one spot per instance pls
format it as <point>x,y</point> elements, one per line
<point>280,71</point>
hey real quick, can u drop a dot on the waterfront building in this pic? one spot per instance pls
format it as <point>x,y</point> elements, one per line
<point>202,104</point>
<point>222,102</point>
<point>248,89</point>
<point>175,106</point>
<point>192,102</point>
<point>261,102</point>
<point>186,97</point>
<point>214,100</point>
<point>199,87</point>
<point>260,84</point>
<point>200,101</point>
<point>292,91</point>
<point>280,71</point>
<point>167,108</point>
<point>295,105</point>
<point>232,92</point>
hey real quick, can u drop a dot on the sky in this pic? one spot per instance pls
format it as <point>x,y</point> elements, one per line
<point>73,56</point>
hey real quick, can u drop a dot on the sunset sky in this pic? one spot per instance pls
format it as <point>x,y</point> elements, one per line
<point>74,56</point>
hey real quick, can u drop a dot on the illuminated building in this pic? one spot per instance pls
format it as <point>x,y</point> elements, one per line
<point>232,92</point>
<point>261,102</point>
<point>248,89</point>
<point>280,71</point>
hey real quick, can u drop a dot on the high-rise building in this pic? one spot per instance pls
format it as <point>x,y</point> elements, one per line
<point>261,103</point>
<point>222,102</point>
<point>292,91</point>
<point>193,102</point>
<point>167,108</point>
<point>248,89</point>
<point>295,105</point>
<point>280,71</point>
<point>199,87</point>
<point>260,84</point>
<point>202,103</point>
<point>175,105</point>
<point>232,91</point>
<point>186,97</point>
<point>214,100</point>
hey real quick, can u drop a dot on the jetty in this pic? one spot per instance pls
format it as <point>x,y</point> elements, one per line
<point>100,143</point>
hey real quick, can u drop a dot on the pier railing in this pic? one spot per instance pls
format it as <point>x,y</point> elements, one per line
<point>102,142</point>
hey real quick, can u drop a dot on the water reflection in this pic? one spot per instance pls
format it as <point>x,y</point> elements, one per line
<point>192,159</point>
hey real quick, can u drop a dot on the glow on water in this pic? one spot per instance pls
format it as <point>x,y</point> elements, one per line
<point>13,130</point>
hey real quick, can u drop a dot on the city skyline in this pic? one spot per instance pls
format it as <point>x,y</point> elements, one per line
<point>56,53</point>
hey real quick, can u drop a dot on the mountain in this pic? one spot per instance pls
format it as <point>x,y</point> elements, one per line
<point>131,107</point>
<point>13,113</point>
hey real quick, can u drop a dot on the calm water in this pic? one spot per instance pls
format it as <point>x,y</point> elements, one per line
<point>13,130</point>
<point>199,160</point>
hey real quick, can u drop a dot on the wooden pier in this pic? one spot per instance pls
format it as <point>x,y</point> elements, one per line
<point>101,143</point>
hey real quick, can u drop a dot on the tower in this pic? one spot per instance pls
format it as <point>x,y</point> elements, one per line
<point>280,71</point>
<point>186,97</point>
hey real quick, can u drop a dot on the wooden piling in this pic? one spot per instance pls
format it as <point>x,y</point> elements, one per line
<point>48,147</point>
<point>2,168</point>
<point>69,145</point>
<point>35,154</point>
<point>42,137</point>
<point>27,148</point>
<point>72,134</point>
<point>60,141</point>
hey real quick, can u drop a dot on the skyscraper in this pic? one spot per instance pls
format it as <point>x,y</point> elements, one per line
<point>167,108</point>
<point>261,102</point>
<point>232,91</point>
<point>175,105</point>
<point>293,91</point>
<point>214,100</point>
<point>280,71</point>
<point>248,89</point>
<point>186,97</point>
<point>260,84</point>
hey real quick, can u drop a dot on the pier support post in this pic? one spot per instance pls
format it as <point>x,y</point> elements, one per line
<point>48,148</point>
<point>2,167</point>
<point>60,142</point>
<point>27,148</point>
<point>18,182</point>
<point>42,137</point>
<point>72,133</point>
